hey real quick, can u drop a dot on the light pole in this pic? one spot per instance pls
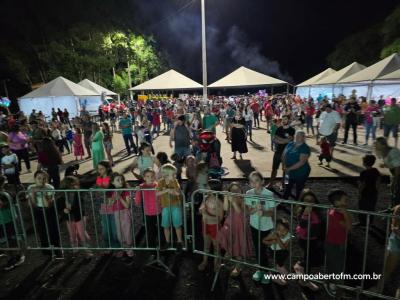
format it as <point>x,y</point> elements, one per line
<point>204,50</point>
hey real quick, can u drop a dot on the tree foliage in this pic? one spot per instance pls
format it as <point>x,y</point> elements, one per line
<point>369,45</point>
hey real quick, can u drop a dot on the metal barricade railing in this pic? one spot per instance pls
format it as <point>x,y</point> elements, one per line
<point>98,220</point>
<point>268,206</point>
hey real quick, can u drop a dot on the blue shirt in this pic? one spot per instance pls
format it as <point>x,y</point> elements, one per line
<point>292,157</point>
<point>126,122</point>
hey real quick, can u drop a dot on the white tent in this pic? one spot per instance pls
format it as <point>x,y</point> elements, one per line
<point>327,86</point>
<point>244,77</point>
<point>58,93</point>
<point>86,83</point>
<point>364,81</point>
<point>170,80</point>
<point>304,89</point>
<point>387,85</point>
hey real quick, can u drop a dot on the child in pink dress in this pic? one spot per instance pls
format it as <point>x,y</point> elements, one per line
<point>121,203</point>
<point>235,236</point>
<point>78,146</point>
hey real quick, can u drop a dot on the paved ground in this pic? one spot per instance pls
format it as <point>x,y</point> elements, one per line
<point>348,158</point>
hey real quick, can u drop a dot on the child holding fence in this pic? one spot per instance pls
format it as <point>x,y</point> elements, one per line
<point>103,181</point>
<point>212,212</point>
<point>235,236</point>
<point>339,224</point>
<point>151,206</point>
<point>169,191</point>
<point>44,211</point>
<point>74,209</point>
<point>121,204</point>
<point>261,212</point>
<point>8,234</point>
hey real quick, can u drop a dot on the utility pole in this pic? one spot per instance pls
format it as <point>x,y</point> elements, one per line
<point>204,50</point>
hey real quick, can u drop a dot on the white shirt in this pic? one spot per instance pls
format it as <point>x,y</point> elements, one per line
<point>249,115</point>
<point>284,240</point>
<point>10,159</point>
<point>328,122</point>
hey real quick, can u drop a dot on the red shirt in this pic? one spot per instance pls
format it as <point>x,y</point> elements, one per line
<point>103,182</point>
<point>255,107</point>
<point>337,233</point>
<point>156,119</point>
<point>170,114</point>
<point>118,204</point>
<point>151,204</point>
<point>310,111</point>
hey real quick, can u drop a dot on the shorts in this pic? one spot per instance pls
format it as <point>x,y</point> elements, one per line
<point>182,152</point>
<point>171,214</point>
<point>332,138</point>
<point>211,230</point>
<point>394,243</point>
<point>390,128</point>
<point>108,146</point>
<point>276,161</point>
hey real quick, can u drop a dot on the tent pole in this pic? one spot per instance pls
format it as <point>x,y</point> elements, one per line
<point>287,89</point>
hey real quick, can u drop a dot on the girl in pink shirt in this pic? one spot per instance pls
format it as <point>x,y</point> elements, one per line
<point>152,209</point>
<point>120,202</point>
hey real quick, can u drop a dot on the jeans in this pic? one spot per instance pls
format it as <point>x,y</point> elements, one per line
<point>156,129</point>
<point>249,127</point>
<point>129,143</point>
<point>299,182</point>
<point>309,124</point>
<point>257,237</point>
<point>353,125</point>
<point>370,128</point>
<point>256,120</point>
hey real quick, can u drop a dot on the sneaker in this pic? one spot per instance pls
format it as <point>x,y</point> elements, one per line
<point>328,165</point>
<point>257,276</point>
<point>330,289</point>
<point>20,260</point>
<point>265,279</point>
<point>320,163</point>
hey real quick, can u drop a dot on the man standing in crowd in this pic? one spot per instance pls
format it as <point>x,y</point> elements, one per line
<point>256,112</point>
<point>391,120</point>
<point>210,121</point>
<point>181,135</point>
<point>87,134</point>
<point>328,126</point>
<point>283,136</point>
<point>351,111</point>
<point>125,124</point>
<point>230,114</point>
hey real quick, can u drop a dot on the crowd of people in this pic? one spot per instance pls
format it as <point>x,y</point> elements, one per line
<point>191,125</point>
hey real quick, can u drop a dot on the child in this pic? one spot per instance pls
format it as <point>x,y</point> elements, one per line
<point>368,189</point>
<point>168,190</point>
<point>9,165</point>
<point>77,143</point>
<point>191,168</point>
<point>212,213</point>
<point>161,159</point>
<point>279,240</point>
<point>74,209</point>
<point>339,224</point>
<point>44,212</point>
<point>109,229</point>
<point>121,203</point>
<point>69,135</point>
<point>325,151</point>
<point>234,236</point>
<point>7,227</point>
<point>152,208</point>
<point>274,126</point>
<point>261,212</point>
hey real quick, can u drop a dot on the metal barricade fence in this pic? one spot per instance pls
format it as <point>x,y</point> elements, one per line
<point>11,235</point>
<point>58,221</point>
<point>244,214</point>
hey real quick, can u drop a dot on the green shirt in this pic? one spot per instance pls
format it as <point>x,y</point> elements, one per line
<point>391,115</point>
<point>126,122</point>
<point>6,215</point>
<point>209,122</point>
<point>263,223</point>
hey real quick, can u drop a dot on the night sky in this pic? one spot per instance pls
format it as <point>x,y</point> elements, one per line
<point>289,39</point>
<point>299,35</point>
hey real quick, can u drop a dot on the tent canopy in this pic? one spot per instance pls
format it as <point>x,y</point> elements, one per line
<point>86,83</point>
<point>379,69</point>
<point>244,77</point>
<point>316,78</point>
<point>391,76</point>
<point>341,74</point>
<point>170,80</point>
<point>60,86</point>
